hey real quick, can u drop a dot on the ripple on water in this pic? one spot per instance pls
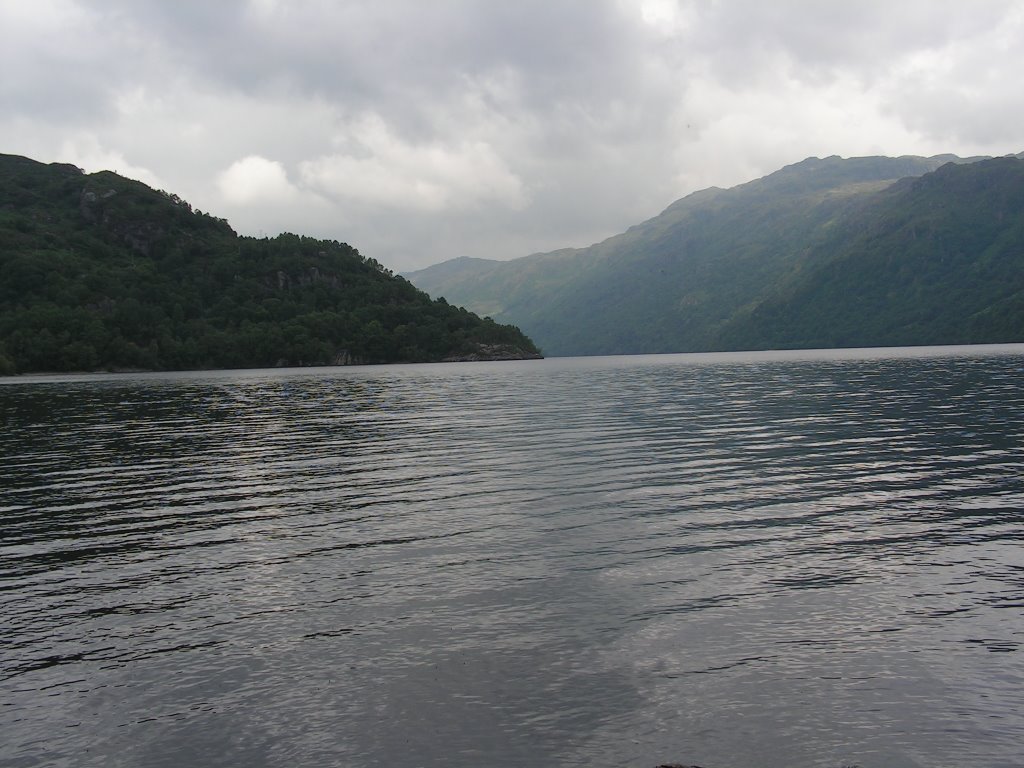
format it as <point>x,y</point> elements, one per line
<point>747,560</point>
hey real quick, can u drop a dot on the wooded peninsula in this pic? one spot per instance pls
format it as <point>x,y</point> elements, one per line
<point>104,273</point>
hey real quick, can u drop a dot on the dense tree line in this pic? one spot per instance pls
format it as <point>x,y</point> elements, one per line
<point>100,272</point>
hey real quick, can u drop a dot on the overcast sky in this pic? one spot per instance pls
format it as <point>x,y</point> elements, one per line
<point>422,130</point>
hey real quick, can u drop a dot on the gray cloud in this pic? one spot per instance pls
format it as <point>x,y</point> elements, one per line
<point>422,131</point>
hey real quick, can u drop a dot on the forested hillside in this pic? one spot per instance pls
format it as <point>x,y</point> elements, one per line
<point>100,272</point>
<point>933,260</point>
<point>826,252</point>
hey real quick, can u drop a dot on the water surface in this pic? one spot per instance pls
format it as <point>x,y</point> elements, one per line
<point>757,560</point>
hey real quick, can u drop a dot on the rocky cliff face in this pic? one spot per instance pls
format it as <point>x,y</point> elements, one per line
<point>139,236</point>
<point>283,281</point>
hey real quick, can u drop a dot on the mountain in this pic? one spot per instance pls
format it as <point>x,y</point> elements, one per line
<point>933,260</point>
<point>101,272</point>
<point>773,262</point>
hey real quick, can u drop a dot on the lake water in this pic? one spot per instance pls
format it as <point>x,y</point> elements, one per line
<point>769,560</point>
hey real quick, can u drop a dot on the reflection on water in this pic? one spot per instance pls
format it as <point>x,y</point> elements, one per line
<point>760,560</point>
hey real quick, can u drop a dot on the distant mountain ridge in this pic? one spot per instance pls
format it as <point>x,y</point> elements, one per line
<point>98,272</point>
<point>748,267</point>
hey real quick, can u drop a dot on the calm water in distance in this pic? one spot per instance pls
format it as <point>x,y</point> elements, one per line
<point>770,560</point>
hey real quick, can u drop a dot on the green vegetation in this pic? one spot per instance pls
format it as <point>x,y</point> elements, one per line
<point>826,252</point>
<point>934,260</point>
<point>100,272</point>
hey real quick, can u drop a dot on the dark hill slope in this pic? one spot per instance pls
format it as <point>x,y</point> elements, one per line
<point>933,260</point>
<point>678,281</point>
<point>100,272</point>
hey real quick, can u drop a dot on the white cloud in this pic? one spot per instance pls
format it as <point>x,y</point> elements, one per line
<point>87,152</point>
<point>667,17</point>
<point>379,167</point>
<point>421,131</point>
<point>967,92</point>
<point>255,179</point>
